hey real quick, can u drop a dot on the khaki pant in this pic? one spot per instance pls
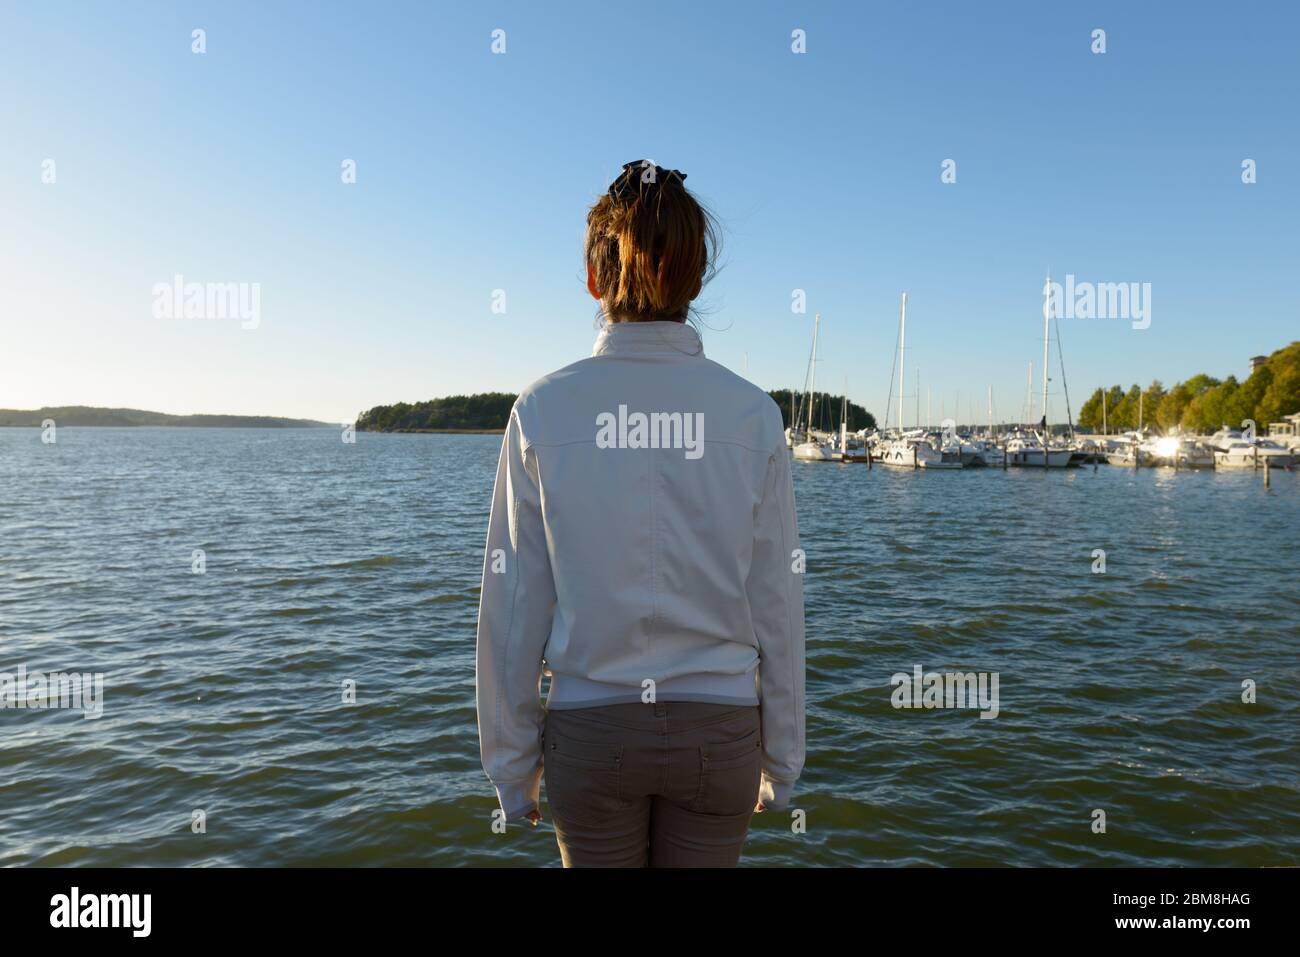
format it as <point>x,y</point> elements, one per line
<point>671,784</point>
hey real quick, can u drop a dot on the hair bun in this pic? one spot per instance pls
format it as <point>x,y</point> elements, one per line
<point>642,176</point>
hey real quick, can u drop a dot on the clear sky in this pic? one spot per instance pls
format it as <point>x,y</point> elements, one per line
<point>475,170</point>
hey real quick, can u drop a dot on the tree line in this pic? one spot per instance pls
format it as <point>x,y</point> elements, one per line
<point>89,415</point>
<point>826,413</point>
<point>1202,403</point>
<point>491,411</point>
<point>482,411</point>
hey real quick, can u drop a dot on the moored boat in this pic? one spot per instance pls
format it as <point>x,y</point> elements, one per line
<point>807,445</point>
<point>916,453</point>
<point>1177,452</point>
<point>1028,451</point>
<point>1259,454</point>
<point>814,451</point>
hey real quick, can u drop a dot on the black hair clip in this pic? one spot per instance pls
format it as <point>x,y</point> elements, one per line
<point>640,176</point>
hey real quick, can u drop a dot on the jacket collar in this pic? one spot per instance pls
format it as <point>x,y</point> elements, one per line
<point>663,337</point>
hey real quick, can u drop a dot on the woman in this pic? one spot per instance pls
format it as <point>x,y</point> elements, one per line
<point>641,551</point>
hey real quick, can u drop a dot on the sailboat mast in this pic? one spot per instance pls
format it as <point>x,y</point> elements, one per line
<point>1047,336</point>
<point>918,398</point>
<point>844,418</point>
<point>812,386</point>
<point>1029,393</point>
<point>902,355</point>
<point>1065,383</point>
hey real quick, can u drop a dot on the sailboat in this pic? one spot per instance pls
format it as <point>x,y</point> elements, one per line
<point>850,449</point>
<point>810,449</point>
<point>795,434</point>
<point>1026,448</point>
<point>990,452</point>
<point>1029,447</point>
<point>912,450</point>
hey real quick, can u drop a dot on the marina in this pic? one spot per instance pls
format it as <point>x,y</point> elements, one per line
<point>1021,445</point>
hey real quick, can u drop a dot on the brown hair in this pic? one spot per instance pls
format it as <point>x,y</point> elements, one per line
<point>650,246</point>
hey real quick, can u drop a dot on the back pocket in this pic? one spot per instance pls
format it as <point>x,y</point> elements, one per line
<point>583,778</point>
<point>730,771</point>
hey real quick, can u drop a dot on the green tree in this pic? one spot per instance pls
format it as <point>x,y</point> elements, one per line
<point>1113,398</point>
<point>1282,397</point>
<point>487,410</point>
<point>1170,414</point>
<point>1152,398</point>
<point>826,414</point>
<point>1209,410</point>
<point>1245,401</point>
<point>1204,403</point>
<point>1090,413</point>
<point>1201,383</point>
<point>1124,413</point>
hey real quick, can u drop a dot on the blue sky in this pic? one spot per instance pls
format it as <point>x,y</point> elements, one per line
<point>475,170</point>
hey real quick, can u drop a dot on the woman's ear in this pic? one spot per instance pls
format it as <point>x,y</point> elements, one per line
<point>591,282</point>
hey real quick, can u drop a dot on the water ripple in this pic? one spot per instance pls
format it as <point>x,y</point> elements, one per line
<point>331,567</point>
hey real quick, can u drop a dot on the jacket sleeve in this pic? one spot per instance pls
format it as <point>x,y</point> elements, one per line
<point>775,591</point>
<point>516,605</point>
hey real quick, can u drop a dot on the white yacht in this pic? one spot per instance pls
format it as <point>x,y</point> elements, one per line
<point>1122,453</point>
<point>952,445</point>
<point>815,450</point>
<point>1027,450</point>
<point>916,452</point>
<point>1120,449</point>
<point>1175,451</point>
<point>1221,440</point>
<point>1287,432</point>
<point>1245,455</point>
<point>971,452</point>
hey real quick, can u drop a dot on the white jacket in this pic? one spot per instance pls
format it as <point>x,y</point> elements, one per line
<point>642,537</point>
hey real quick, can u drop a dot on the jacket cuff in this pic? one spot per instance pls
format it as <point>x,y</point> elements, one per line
<point>774,794</point>
<point>517,798</point>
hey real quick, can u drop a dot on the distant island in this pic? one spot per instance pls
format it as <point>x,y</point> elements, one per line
<point>84,415</point>
<point>490,411</point>
<point>482,412</point>
<point>827,411</point>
